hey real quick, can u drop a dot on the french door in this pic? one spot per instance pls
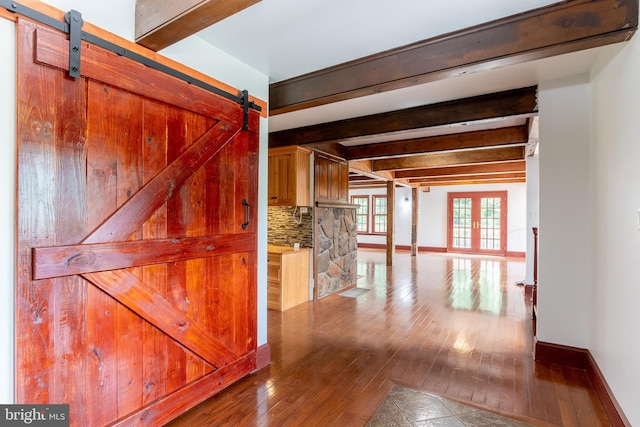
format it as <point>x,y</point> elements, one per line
<point>477,222</point>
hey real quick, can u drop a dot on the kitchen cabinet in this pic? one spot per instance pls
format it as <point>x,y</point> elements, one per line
<point>287,277</point>
<point>289,176</point>
<point>331,179</point>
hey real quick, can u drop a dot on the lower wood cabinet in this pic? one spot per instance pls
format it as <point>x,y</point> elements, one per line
<point>287,277</point>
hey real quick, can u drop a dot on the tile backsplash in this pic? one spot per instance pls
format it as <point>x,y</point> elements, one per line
<point>285,228</point>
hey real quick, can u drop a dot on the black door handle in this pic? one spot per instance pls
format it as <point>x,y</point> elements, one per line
<point>247,213</point>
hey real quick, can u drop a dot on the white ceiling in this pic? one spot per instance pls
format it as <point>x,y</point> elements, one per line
<point>287,38</point>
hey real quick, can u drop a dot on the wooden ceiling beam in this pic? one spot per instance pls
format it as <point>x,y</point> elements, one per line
<point>161,23</point>
<point>433,179</point>
<point>369,181</point>
<point>459,141</point>
<point>332,149</point>
<point>429,184</point>
<point>512,103</point>
<point>479,169</point>
<point>382,184</point>
<point>450,159</point>
<point>365,167</point>
<point>557,29</point>
<point>362,178</point>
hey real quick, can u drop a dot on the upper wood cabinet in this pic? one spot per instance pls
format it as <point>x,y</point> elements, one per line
<point>331,179</point>
<point>289,176</point>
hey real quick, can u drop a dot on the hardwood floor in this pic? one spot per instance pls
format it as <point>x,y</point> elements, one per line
<point>454,326</point>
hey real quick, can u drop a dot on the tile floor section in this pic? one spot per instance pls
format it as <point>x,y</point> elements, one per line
<point>406,407</point>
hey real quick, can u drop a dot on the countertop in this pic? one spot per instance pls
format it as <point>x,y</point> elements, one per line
<point>284,249</point>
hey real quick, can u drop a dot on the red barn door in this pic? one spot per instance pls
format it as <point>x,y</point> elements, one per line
<point>136,278</point>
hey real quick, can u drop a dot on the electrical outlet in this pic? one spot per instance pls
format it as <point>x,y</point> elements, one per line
<point>304,209</point>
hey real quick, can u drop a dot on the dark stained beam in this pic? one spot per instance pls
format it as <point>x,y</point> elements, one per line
<point>379,184</point>
<point>433,180</point>
<point>362,178</point>
<point>369,184</point>
<point>541,33</point>
<point>503,167</point>
<point>512,103</point>
<point>450,159</point>
<point>161,23</point>
<point>472,182</point>
<point>460,141</point>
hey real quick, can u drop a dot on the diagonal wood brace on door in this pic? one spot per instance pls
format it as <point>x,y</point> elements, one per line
<point>114,231</point>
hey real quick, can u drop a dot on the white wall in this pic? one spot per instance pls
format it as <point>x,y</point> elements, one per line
<point>564,218</point>
<point>432,221</point>
<point>116,16</point>
<point>7,207</point>
<point>614,337</point>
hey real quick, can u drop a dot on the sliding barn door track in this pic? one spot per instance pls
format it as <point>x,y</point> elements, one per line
<point>72,25</point>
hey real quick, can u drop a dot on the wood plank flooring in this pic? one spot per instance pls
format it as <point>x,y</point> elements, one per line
<point>452,325</point>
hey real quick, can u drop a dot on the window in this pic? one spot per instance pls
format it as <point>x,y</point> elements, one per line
<point>371,216</point>
<point>362,213</point>
<point>379,214</point>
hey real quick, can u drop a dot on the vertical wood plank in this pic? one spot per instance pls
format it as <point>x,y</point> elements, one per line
<point>197,281</point>
<point>127,115</point>
<point>101,351</point>
<point>68,294</point>
<point>51,170</point>
<point>36,189</point>
<point>218,179</point>
<point>155,343</point>
<point>177,141</point>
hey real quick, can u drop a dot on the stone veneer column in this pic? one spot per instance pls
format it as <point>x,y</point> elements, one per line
<point>337,247</point>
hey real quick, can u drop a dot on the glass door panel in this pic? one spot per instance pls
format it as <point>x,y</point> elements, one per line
<point>461,223</point>
<point>490,224</point>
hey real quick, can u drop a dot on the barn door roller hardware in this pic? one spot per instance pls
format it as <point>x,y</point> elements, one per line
<point>73,26</point>
<point>73,18</point>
